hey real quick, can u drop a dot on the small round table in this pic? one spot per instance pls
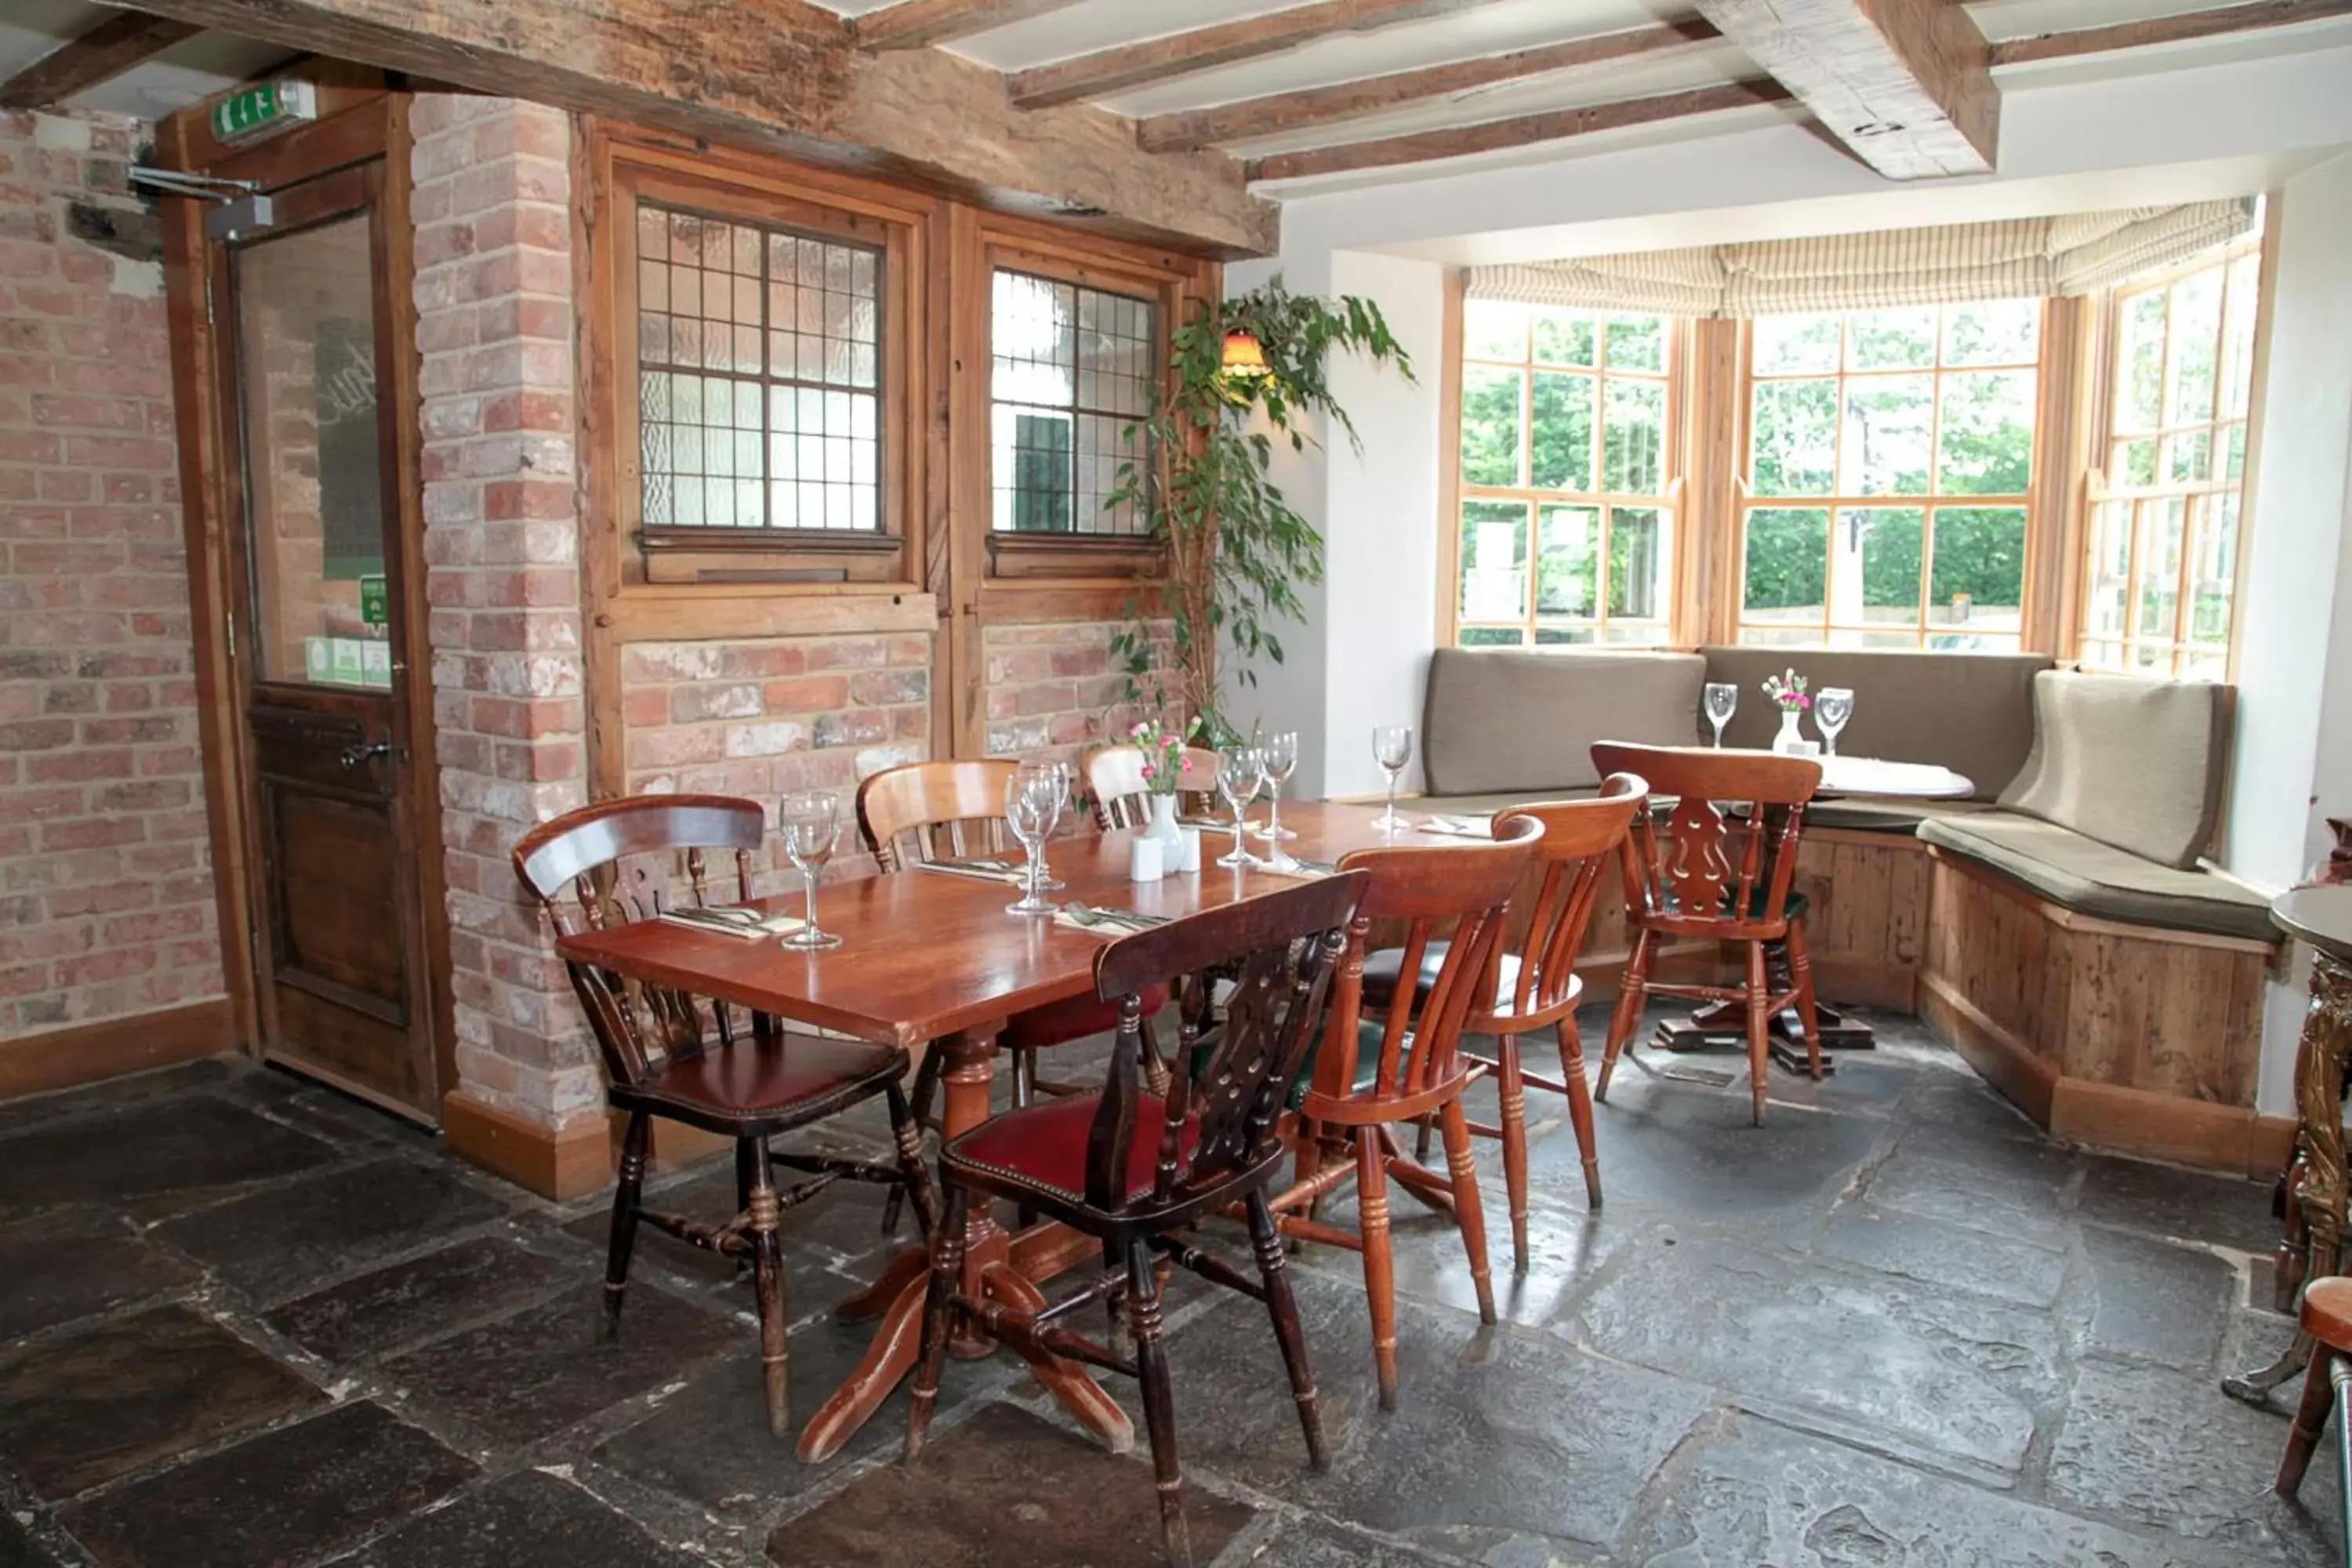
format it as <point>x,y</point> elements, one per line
<point>2319,916</point>
<point>1726,1022</point>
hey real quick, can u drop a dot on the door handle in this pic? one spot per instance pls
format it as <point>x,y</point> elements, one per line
<point>352,755</point>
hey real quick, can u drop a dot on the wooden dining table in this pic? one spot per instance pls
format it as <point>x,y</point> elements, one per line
<point>932,958</point>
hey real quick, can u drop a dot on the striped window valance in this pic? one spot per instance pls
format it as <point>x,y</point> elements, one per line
<point>2071,253</point>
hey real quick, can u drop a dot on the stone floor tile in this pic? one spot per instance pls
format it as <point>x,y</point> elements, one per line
<point>529,1519</point>
<point>174,1148</point>
<point>1316,1543</point>
<point>1753,1493</point>
<point>1953,1376</point>
<point>61,1105</point>
<point>534,1372</point>
<point>74,1263</point>
<point>2015,1190</point>
<point>2158,1449</point>
<point>1003,1487</point>
<point>1958,1101</point>
<point>288,1237</point>
<point>2153,1300</point>
<point>1934,1252</point>
<point>1567,1248</point>
<point>289,1495</point>
<point>391,1309</point>
<point>2164,1200</point>
<point>92,1405</point>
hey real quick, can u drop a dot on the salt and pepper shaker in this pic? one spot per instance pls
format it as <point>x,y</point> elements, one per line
<point>1146,858</point>
<point>1189,852</point>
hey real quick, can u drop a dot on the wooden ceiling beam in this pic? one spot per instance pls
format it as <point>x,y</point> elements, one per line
<point>1905,84</point>
<point>1205,48</point>
<point>114,46</point>
<point>783,77</point>
<point>2181,28</point>
<point>1519,130</point>
<point>915,24</point>
<point>1198,128</point>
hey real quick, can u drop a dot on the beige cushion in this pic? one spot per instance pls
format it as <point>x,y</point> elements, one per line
<point>2081,873</point>
<point>2133,763</point>
<point>1970,712</point>
<point>1865,813</point>
<point>1500,720</point>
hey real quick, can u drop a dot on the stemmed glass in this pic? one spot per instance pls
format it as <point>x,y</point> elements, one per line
<point>809,825</point>
<point>1722,702</point>
<point>1281,755</point>
<point>1063,778</point>
<point>1241,773</point>
<point>1833,707</point>
<point>1032,805</point>
<point>1393,748</point>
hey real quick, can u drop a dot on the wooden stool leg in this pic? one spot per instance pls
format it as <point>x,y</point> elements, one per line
<point>1380,1266</point>
<point>1159,1398</point>
<point>762,1215</point>
<point>1266,1241</point>
<point>1627,1018</point>
<point>2310,1421</point>
<point>626,1196</point>
<point>1468,1207</point>
<point>1759,1024</point>
<point>939,1315</point>
<point>1580,1108</point>
<point>1514,1097</point>
<point>1801,973</point>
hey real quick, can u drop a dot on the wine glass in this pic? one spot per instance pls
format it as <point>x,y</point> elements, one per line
<point>1281,755</point>
<point>1393,748</point>
<point>1722,702</point>
<point>1241,773</point>
<point>1833,707</point>
<point>809,825</point>
<point>1062,779</point>
<point>1033,805</point>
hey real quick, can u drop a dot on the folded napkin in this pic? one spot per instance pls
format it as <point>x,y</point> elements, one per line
<point>727,919</point>
<point>1301,870</point>
<point>1460,827</point>
<point>1111,923</point>
<point>1212,824</point>
<point>984,870</point>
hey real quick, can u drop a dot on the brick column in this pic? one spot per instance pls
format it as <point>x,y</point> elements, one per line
<point>502,518</point>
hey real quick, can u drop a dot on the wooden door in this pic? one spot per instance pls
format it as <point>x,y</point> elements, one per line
<point>310,327</point>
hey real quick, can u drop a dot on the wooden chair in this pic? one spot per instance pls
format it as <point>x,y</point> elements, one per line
<point>911,813</point>
<point>1414,1067</point>
<point>1122,797</point>
<point>1135,1170</point>
<point>1717,875</point>
<point>1535,985</point>
<point>2326,1317</point>
<point>670,1055</point>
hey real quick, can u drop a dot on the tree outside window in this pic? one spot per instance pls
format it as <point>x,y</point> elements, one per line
<point>1889,462</point>
<point>1567,515</point>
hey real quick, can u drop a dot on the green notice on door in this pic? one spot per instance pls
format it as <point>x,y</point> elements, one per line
<point>376,605</point>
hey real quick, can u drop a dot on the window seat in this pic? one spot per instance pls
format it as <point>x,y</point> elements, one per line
<point>2077,872</point>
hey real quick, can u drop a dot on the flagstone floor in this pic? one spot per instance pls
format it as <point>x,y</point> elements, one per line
<point>244,1322</point>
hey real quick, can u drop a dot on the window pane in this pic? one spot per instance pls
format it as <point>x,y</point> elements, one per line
<point>1567,567</point>
<point>1794,438</point>
<point>2139,356</point>
<point>1562,455</point>
<point>2214,575</point>
<point>1891,339</point>
<point>2189,458</point>
<point>2161,524</point>
<point>1874,566</point>
<point>1977,579</point>
<point>1071,376</point>
<point>2110,569</point>
<point>1787,557</point>
<point>1490,425</point>
<point>1885,451</point>
<point>1564,337</point>
<point>2135,463</point>
<point>1491,637</point>
<point>1633,439</point>
<point>1987,435</point>
<point>1569,634</point>
<point>1637,342</point>
<point>1640,563</point>
<point>1789,345</point>
<point>1494,561</point>
<point>1994,331</point>
<point>1492,328</point>
<point>2196,343</point>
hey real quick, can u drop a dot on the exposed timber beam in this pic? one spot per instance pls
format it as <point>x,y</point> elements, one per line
<point>1905,84</point>
<point>99,55</point>
<point>1204,48</point>
<point>2181,28</point>
<point>1520,131</point>
<point>912,24</point>
<point>1198,128</point>
<point>783,75</point>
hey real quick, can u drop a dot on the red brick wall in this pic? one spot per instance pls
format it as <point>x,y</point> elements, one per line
<point>1052,689</point>
<point>494,286</point>
<point>106,890</point>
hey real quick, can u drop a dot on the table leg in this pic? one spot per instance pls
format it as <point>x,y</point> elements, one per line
<point>2317,1190</point>
<point>1725,1024</point>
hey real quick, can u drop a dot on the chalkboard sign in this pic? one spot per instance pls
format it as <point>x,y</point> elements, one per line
<point>351,480</point>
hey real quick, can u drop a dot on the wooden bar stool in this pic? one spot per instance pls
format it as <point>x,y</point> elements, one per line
<point>2327,1319</point>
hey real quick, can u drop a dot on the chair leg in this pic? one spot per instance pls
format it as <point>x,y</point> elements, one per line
<point>1467,1207</point>
<point>762,1217</point>
<point>1024,1077</point>
<point>1800,971</point>
<point>914,1175</point>
<point>927,1082</point>
<point>1423,1130</point>
<point>2310,1422</point>
<point>1380,1266</point>
<point>1580,1108</point>
<point>742,1174</point>
<point>1159,1397</point>
<point>1627,1019</point>
<point>626,1196</point>
<point>939,1315</point>
<point>1759,1024</point>
<point>1266,1241</point>
<point>1513,1092</point>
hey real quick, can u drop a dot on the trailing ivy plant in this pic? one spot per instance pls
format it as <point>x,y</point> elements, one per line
<point>1237,549</point>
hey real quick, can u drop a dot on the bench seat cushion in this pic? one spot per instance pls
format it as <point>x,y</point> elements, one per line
<point>1495,719</point>
<point>2137,764</point>
<point>2095,878</point>
<point>1864,813</point>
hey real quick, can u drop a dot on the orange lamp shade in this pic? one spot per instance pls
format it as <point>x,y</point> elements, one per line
<point>1245,355</point>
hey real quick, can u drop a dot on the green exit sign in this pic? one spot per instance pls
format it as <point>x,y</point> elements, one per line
<point>376,605</point>
<point>262,108</point>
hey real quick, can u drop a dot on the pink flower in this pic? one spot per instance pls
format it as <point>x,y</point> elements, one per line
<point>1149,772</point>
<point>1184,765</point>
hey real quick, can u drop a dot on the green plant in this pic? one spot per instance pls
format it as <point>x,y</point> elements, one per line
<point>1237,548</point>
